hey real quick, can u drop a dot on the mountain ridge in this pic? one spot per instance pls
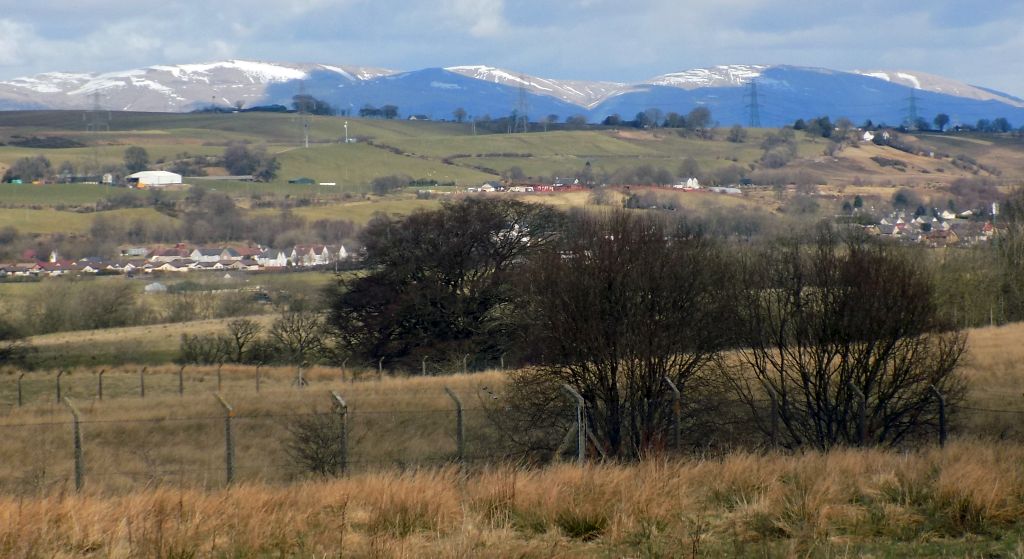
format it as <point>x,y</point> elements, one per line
<point>788,92</point>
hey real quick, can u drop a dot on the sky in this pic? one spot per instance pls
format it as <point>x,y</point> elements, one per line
<point>612,40</point>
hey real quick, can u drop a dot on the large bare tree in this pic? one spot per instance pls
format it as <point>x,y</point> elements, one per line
<point>626,302</point>
<point>838,324</point>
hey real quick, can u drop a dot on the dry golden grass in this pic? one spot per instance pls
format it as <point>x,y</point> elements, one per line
<point>155,479</point>
<point>966,500</point>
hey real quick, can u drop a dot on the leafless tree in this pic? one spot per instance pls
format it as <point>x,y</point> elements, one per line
<point>299,332</point>
<point>832,319</point>
<point>627,302</point>
<point>242,332</point>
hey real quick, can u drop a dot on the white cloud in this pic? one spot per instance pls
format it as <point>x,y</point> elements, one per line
<point>481,18</point>
<point>13,38</point>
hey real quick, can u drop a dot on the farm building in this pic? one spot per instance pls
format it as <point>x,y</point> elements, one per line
<point>147,179</point>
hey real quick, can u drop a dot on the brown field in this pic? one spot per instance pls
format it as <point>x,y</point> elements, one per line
<point>966,500</point>
<point>155,477</point>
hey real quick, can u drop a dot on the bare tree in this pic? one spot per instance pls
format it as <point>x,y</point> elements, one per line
<point>835,319</point>
<point>242,332</point>
<point>299,332</point>
<point>628,302</point>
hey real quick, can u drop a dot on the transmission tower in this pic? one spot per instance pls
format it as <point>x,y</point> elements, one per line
<point>753,106</point>
<point>912,110</point>
<point>522,120</point>
<point>301,106</point>
<point>95,120</point>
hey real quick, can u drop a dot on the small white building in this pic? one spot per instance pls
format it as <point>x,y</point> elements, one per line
<point>151,179</point>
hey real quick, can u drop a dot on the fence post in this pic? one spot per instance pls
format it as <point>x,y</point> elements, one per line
<point>300,380</point>
<point>219,365</point>
<point>76,443</point>
<point>677,414</point>
<point>343,363</point>
<point>99,384</point>
<point>181,380</point>
<point>258,367</point>
<point>774,420</point>
<point>380,369</point>
<point>460,426</point>
<point>60,373</point>
<point>229,440</point>
<point>142,383</point>
<point>465,361</point>
<point>502,362</point>
<point>942,415</point>
<point>861,414</point>
<point>423,367</point>
<point>581,424</point>
<point>20,376</point>
<point>342,408</point>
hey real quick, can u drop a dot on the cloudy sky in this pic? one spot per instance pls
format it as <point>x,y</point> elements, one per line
<point>979,43</point>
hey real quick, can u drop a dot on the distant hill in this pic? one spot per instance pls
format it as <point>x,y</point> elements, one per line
<point>785,93</point>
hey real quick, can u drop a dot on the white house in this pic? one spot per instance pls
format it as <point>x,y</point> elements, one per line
<point>214,254</point>
<point>316,255</point>
<point>272,258</point>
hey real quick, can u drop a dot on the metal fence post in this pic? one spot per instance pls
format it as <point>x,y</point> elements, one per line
<point>20,376</point>
<point>460,426</point>
<point>581,424</point>
<point>342,409</point>
<point>99,384</point>
<point>229,440</point>
<point>60,373</point>
<point>142,382</point>
<point>300,379</point>
<point>942,415</point>
<point>181,380</point>
<point>76,443</point>
<point>677,415</point>
<point>861,415</point>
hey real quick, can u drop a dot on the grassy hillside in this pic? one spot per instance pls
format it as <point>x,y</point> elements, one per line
<point>449,152</point>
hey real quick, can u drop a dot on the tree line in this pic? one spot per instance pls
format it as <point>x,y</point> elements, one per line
<point>615,304</point>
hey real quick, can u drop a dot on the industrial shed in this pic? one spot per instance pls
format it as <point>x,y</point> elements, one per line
<point>147,179</point>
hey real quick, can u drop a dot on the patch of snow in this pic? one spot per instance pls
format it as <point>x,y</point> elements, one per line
<point>879,75</point>
<point>338,70</point>
<point>910,78</point>
<point>442,85</point>
<point>717,76</point>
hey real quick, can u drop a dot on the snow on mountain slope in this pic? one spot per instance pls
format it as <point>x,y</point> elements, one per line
<point>717,76</point>
<point>939,84</point>
<point>582,93</point>
<point>174,88</point>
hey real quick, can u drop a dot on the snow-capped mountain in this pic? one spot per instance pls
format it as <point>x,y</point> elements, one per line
<point>171,88</point>
<point>785,92</point>
<point>718,76</point>
<point>939,84</point>
<point>582,93</point>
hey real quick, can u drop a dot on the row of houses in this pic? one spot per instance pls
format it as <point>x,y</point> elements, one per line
<point>945,229</point>
<point>181,258</point>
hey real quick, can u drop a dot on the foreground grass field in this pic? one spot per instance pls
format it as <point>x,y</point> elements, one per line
<point>963,501</point>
